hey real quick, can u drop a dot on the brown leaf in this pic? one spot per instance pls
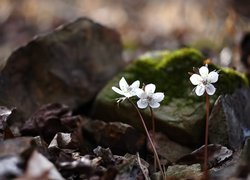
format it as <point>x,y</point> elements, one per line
<point>105,154</point>
<point>217,154</point>
<point>50,119</point>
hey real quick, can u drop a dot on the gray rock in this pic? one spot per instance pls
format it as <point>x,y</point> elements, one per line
<point>168,149</point>
<point>184,172</point>
<point>182,114</point>
<point>119,137</point>
<point>229,123</point>
<point>68,65</point>
<point>245,154</point>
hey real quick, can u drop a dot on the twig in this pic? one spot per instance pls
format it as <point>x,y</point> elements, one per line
<point>142,167</point>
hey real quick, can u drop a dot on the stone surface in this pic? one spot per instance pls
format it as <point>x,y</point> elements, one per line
<point>68,65</point>
<point>121,138</point>
<point>229,120</point>
<point>245,155</point>
<point>184,172</point>
<point>15,146</point>
<point>181,115</point>
<point>168,149</point>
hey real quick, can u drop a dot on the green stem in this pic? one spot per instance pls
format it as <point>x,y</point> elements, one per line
<point>206,139</point>
<point>149,138</point>
<point>153,129</point>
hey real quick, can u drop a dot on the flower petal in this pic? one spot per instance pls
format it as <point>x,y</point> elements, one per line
<point>133,87</point>
<point>158,97</point>
<point>213,77</point>
<point>210,89</point>
<point>154,104</point>
<point>203,71</point>
<point>118,90</point>
<point>195,79</point>
<point>150,88</point>
<point>142,104</point>
<point>135,84</point>
<point>123,84</point>
<point>200,89</point>
<point>140,93</point>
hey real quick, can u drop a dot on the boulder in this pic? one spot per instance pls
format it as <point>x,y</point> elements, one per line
<point>229,122</point>
<point>182,114</point>
<point>68,66</point>
<point>245,155</point>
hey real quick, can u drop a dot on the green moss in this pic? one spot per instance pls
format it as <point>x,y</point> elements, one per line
<point>184,171</point>
<point>182,113</point>
<point>230,80</point>
<point>169,71</point>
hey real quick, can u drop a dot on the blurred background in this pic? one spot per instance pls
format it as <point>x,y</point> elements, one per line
<point>214,26</point>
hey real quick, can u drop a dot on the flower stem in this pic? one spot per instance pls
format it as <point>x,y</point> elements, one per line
<point>153,129</point>
<point>149,138</point>
<point>206,175</point>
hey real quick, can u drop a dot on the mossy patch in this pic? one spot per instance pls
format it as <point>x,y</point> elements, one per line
<point>169,71</point>
<point>181,113</point>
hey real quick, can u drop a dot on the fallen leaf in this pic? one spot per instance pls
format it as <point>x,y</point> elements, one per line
<point>49,120</point>
<point>38,167</point>
<point>105,154</point>
<point>217,154</point>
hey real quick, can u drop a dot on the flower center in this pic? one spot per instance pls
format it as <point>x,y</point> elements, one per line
<point>205,82</point>
<point>149,98</point>
<point>129,89</point>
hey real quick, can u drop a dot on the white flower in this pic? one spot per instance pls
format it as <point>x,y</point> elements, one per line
<point>203,81</point>
<point>126,90</point>
<point>148,97</point>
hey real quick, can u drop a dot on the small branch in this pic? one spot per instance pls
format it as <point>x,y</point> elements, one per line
<point>149,138</point>
<point>141,167</point>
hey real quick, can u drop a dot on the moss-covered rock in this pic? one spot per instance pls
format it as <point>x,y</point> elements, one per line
<point>181,113</point>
